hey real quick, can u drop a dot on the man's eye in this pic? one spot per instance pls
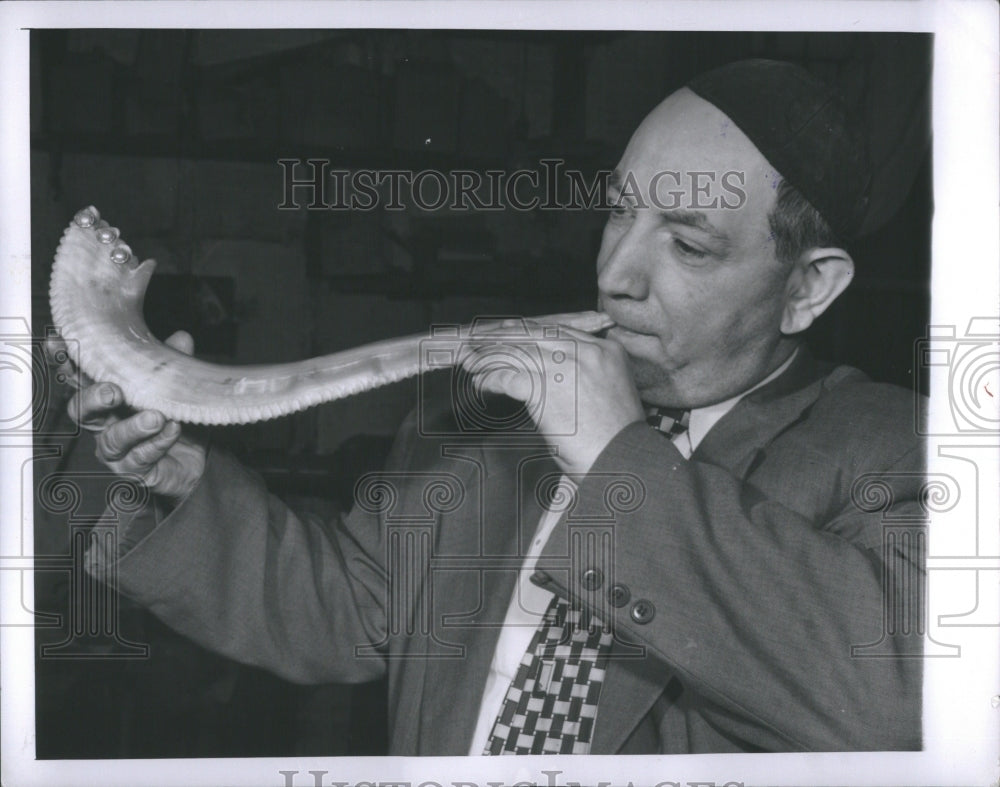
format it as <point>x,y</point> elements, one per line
<point>688,250</point>
<point>620,210</point>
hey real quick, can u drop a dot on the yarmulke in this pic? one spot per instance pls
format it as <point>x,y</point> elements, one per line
<point>802,128</point>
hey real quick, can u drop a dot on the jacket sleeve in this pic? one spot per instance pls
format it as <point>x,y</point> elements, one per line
<point>755,607</point>
<point>238,572</point>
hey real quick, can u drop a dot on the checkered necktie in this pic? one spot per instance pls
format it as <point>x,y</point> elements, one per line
<point>551,705</point>
<point>670,421</point>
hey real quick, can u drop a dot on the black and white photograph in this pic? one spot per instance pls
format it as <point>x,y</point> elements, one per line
<point>389,388</point>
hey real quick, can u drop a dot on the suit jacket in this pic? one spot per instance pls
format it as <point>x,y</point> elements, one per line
<point>764,593</point>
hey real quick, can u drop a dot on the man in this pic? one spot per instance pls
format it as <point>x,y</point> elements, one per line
<point>710,584</point>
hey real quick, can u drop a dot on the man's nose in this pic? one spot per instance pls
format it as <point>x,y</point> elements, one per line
<point>622,265</point>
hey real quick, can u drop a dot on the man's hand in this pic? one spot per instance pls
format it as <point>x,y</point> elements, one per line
<point>577,420</point>
<point>143,443</point>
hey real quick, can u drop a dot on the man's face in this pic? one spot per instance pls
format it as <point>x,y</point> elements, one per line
<point>687,267</point>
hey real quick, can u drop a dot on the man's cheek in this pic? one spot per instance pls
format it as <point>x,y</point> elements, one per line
<point>743,330</point>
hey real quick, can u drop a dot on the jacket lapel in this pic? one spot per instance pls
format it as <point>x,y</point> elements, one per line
<point>631,687</point>
<point>510,514</point>
<point>761,416</point>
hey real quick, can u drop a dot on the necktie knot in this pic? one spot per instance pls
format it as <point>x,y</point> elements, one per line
<point>670,421</point>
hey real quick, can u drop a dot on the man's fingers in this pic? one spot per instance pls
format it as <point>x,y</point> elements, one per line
<point>92,407</point>
<point>520,328</point>
<point>502,369</point>
<point>118,440</point>
<point>182,342</point>
<point>145,455</point>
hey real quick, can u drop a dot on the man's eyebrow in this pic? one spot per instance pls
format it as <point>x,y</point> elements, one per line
<point>696,219</point>
<point>689,218</point>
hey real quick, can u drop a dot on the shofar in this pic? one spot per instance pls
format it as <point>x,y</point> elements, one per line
<point>96,293</point>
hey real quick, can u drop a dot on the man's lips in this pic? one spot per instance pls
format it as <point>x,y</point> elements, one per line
<point>625,329</point>
<point>620,330</point>
<point>624,326</point>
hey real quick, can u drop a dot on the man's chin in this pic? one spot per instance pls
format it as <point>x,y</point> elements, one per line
<point>654,383</point>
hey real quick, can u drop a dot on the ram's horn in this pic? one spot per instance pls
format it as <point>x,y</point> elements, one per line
<point>96,294</point>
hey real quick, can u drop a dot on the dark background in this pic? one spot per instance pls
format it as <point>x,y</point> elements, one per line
<point>175,135</point>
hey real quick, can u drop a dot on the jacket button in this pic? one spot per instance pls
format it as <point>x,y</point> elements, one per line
<point>592,579</point>
<point>619,595</point>
<point>643,611</point>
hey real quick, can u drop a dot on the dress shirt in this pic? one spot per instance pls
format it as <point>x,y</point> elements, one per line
<point>529,602</point>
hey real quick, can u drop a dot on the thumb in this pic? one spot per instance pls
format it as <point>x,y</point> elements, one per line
<point>182,342</point>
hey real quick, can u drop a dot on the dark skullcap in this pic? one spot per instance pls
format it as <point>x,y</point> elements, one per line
<point>802,128</point>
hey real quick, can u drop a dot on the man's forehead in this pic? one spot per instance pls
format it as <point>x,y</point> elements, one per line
<point>688,131</point>
<point>688,155</point>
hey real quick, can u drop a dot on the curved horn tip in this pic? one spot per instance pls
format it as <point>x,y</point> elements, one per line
<point>143,272</point>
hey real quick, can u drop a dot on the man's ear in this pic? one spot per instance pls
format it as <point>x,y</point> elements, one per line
<point>819,276</point>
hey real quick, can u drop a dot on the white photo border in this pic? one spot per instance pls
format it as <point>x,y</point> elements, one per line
<point>961,717</point>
